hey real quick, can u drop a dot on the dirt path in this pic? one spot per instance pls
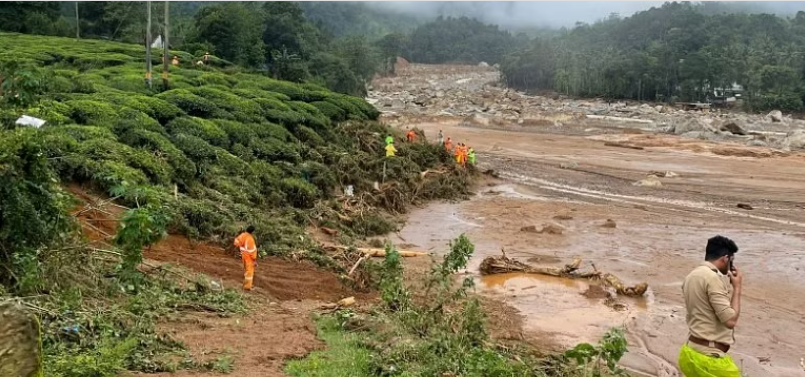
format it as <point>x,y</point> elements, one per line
<point>659,237</point>
<point>277,327</point>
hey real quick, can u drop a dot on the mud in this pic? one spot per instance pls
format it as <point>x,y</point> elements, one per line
<point>569,176</point>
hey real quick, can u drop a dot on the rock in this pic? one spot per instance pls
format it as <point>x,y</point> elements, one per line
<point>609,224</point>
<point>650,181</point>
<point>439,94</point>
<point>692,125</point>
<point>563,217</point>
<point>552,229</point>
<point>757,143</point>
<point>667,174</point>
<point>483,64</point>
<point>745,206</point>
<point>794,140</point>
<point>19,341</point>
<point>529,229</point>
<point>776,116</point>
<point>569,165</point>
<point>733,126</point>
<point>397,104</point>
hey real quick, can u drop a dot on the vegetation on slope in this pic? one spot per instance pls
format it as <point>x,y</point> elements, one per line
<point>438,328</point>
<point>217,150</point>
<point>679,51</point>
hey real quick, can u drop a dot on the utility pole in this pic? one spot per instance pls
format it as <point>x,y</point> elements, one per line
<point>148,46</point>
<point>77,23</point>
<point>166,47</point>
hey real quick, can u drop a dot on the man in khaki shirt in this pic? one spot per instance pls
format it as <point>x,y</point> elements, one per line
<point>712,294</point>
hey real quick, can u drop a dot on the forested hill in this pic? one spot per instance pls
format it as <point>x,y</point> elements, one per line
<point>675,52</point>
<point>679,51</point>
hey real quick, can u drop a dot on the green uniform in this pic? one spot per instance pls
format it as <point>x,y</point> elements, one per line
<point>389,140</point>
<point>471,155</point>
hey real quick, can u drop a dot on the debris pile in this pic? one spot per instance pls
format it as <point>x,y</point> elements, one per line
<point>474,94</point>
<point>502,264</point>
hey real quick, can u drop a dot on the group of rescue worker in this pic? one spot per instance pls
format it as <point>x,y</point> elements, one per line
<point>463,154</point>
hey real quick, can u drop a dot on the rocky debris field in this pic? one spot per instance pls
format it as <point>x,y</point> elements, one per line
<point>475,94</point>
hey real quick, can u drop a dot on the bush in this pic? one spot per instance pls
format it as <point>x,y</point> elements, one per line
<point>244,110</point>
<point>308,136</point>
<point>194,147</point>
<point>154,107</point>
<point>193,105</point>
<point>184,168</point>
<point>92,112</point>
<point>207,130</point>
<point>331,111</point>
<point>300,194</point>
<point>272,149</point>
<point>129,118</point>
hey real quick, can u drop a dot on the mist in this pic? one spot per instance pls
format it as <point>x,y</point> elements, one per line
<point>553,14</point>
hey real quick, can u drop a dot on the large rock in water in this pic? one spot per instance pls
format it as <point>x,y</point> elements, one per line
<point>795,140</point>
<point>19,342</point>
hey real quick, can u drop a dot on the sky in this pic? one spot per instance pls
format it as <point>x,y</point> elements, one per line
<point>553,14</point>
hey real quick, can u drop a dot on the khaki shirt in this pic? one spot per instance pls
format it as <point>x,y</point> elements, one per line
<point>707,293</point>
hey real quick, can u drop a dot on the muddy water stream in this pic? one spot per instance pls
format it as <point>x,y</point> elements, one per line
<point>659,246</point>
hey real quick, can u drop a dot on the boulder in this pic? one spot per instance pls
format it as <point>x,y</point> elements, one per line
<point>19,341</point>
<point>483,64</point>
<point>757,143</point>
<point>794,140</point>
<point>650,181</point>
<point>776,116</point>
<point>734,126</point>
<point>684,126</point>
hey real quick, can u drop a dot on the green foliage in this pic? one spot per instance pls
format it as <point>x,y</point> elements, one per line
<point>609,351</point>
<point>300,193</point>
<point>234,31</point>
<point>139,227</point>
<point>32,209</point>
<point>192,104</point>
<point>21,84</point>
<point>685,51</point>
<point>204,129</point>
<point>458,40</point>
<point>392,289</point>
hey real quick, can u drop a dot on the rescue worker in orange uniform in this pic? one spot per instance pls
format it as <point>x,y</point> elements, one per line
<point>248,253</point>
<point>448,144</point>
<point>457,153</point>
<point>411,136</point>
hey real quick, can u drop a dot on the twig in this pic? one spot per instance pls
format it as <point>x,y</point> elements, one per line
<point>351,270</point>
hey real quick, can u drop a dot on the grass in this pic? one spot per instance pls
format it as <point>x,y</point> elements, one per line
<point>344,356</point>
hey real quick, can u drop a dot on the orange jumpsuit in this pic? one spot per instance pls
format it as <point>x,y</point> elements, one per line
<point>457,154</point>
<point>411,136</point>
<point>448,145</point>
<point>248,253</point>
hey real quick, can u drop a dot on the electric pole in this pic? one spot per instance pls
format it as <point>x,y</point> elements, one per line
<point>77,23</point>
<point>166,47</point>
<point>148,45</point>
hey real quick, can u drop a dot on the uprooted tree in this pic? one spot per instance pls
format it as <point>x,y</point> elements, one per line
<point>503,264</point>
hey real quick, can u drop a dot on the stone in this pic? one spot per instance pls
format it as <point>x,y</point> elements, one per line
<point>734,127</point>
<point>483,64</point>
<point>551,228</point>
<point>529,229</point>
<point>569,165</point>
<point>650,181</point>
<point>757,143</point>
<point>776,116</point>
<point>609,224</point>
<point>692,125</point>
<point>19,341</point>
<point>794,140</point>
<point>745,206</point>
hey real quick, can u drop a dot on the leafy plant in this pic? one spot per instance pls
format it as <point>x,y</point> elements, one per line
<point>609,351</point>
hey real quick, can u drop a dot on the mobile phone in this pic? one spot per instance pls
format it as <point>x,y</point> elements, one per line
<point>732,265</point>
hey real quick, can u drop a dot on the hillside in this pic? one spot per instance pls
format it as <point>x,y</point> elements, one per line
<point>218,149</point>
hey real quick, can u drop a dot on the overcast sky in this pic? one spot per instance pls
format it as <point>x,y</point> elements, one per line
<point>544,13</point>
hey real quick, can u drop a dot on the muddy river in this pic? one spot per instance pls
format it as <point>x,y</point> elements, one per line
<point>658,236</point>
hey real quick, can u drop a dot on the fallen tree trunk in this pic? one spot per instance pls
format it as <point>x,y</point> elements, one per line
<point>503,264</point>
<point>372,252</point>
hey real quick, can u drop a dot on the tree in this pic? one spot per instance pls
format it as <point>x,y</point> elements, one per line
<point>234,29</point>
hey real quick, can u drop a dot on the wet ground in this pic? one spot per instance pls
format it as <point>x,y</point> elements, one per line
<point>578,183</point>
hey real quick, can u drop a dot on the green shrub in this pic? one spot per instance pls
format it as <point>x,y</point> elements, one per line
<point>238,133</point>
<point>154,107</point>
<point>299,193</point>
<point>194,147</point>
<point>81,133</point>
<point>184,168</point>
<point>192,104</point>
<point>212,78</point>
<point>87,61</point>
<point>272,149</point>
<point>207,130</point>
<point>92,112</point>
<point>331,111</point>
<point>308,136</point>
<point>243,109</point>
<point>129,118</point>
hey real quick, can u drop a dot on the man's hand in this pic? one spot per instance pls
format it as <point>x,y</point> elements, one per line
<point>736,277</point>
